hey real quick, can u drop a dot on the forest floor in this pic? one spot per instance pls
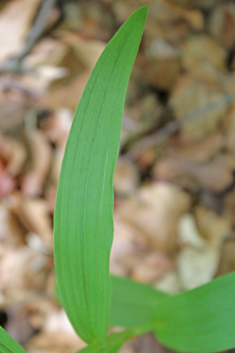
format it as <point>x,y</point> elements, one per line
<point>174,181</point>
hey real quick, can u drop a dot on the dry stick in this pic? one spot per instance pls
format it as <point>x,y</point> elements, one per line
<point>174,126</point>
<point>13,64</point>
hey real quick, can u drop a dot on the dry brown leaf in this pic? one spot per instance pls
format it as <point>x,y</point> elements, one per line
<point>212,227</point>
<point>12,108</point>
<point>86,51</point>
<point>154,210</point>
<point>229,204</point>
<point>197,266</point>
<point>230,130</point>
<point>125,244</point>
<point>227,261</point>
<point>65,96</point>
<point>126,177</point>
<point>200,50</point>
<point>197,261</point>
<point>214,176</point>
<point>34,180</point>
<point>222,22</point>
<point>34,214</point>
<point>24,269</point>
<point>197,3</point>
<point>187,97</point>
<point>14,153</point>
<point>201,151</point>
<point>15,20</point>
<point>57,126</point>
<point>151,267</point>
<point>170,283</point>
<point>161,65</point>
<point>7,183</point>
<point>54,342</point>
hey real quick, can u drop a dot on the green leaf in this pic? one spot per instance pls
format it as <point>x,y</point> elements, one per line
<point>201,320</point>
<point>83,222</point>
<point>112,344</point>
<point>114,341</point>
<point>132,303</point>
<point>7,344</point>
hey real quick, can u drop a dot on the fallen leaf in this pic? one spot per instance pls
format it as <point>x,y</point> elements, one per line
<point>212,227</point>
<point>35,178</point>
<point>187,97</point>
<point>154,210</point>
<point>15,20</point>
<point>197,261</point>
<point>126,177</point>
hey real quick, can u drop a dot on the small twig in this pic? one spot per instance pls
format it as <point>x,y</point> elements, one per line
<point>174,126</point>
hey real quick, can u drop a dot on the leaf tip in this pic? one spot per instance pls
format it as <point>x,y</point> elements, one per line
<point>143,11</point>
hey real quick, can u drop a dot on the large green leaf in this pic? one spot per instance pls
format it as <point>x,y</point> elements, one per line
<point>132,303</point>
<point>83,222</point>
<point>7,344</point>
<point>199,320</point>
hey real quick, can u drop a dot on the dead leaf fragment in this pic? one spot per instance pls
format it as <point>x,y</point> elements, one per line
<point>154,210</point>
<point>212,227</point>
<point>34,214</point>
<point>19,14</point>
<point>222,22</point>
<point>33,181</point>
<point>151,267</point>
<point>200,50</point>
<point>190,95</point>
<point>126,177</point>
<point>197,261</point>
<point>214,176</point>
<point>14,154</point>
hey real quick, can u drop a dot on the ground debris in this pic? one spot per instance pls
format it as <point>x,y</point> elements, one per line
<point>174,181</point>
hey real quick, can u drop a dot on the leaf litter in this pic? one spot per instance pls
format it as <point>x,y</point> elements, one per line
<point>174,197</point>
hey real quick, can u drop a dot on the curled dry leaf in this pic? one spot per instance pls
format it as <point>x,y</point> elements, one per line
<point>34,214</point>
<point>222,22</point>
<point>170,283</point>
<point>199,50</point>
<point>187,97</point>
<point>230,130</point>
<point>14,154</point>
<point>57,126</point>
<point>34,180</point>
<point>214,176</point>
<point>197,264</point>
<point>154,210</point>
<point>229,203</point>
<point>54,342</point>
<point>12,108</point>
<point>65,96</point>
<point>86,51</point>
<point>151,267</point>
<point>197,3</point>
<point>227,260</point>
<point>212,227</point>
<point>126,177</point>
<point>162,65</point>
<point>12,233</point>
<point>201,151</point>
<point>188,235</point>
<point>80,54</point>
<point>23,269</point>
<point>7,183</point>
<point>124,245</point>
<point>15,20</point>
